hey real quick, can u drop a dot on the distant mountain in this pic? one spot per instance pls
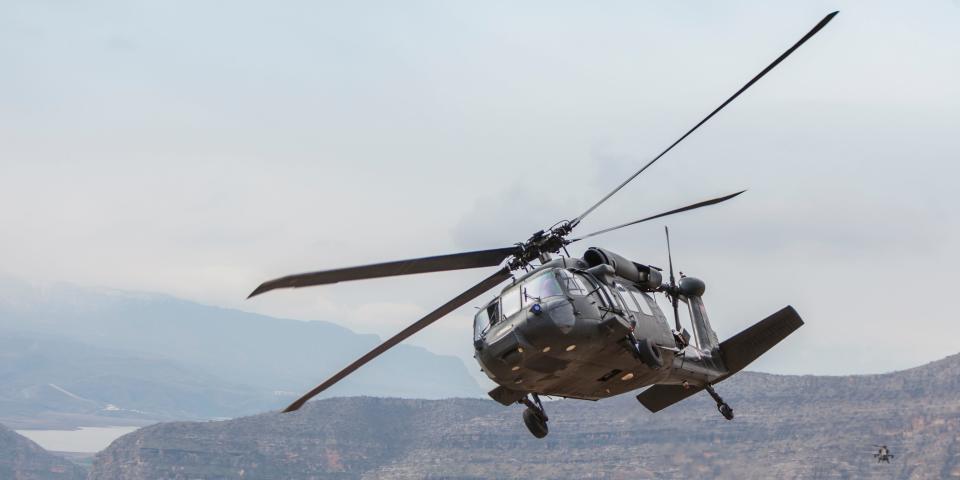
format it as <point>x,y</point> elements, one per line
<point>785,427</point>
<point>46,381</point>
<point>165,340</point>
<point>22,459</point>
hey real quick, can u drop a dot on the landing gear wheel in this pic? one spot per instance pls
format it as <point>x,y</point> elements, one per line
<point>726,411</point>
<point>535,423</point>
<point>722,406</point>
<point>534,416</point>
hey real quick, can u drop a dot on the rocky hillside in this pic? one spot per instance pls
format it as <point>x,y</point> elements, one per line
<point>786,427</point>
<point>22,459</point>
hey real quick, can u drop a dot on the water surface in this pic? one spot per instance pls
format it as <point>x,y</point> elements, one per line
<point>84,439</point>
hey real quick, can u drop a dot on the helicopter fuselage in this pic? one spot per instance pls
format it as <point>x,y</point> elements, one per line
<point>572,328</point>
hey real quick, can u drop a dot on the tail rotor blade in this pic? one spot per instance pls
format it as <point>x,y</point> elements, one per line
<point>666,230</point>
<point>674,301</point>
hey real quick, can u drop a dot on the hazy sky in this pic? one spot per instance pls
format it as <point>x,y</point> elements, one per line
<point>199,148</point>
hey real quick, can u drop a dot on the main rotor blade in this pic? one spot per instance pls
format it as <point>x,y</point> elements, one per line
<point>458,301</point>
<point>760,75</point>
<point>664,214</point>
<point>441,263</point>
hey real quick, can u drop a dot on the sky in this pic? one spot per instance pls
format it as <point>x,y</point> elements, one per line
<point>200,148</point>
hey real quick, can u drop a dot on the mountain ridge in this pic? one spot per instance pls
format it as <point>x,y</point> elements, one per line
<point>268,360</point>
<point>786,427</point>
<point>23,459</point>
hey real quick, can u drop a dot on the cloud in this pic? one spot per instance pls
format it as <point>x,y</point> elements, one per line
<point>213,159</point>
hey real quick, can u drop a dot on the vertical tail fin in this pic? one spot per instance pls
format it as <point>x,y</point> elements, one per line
<point>706,337</point>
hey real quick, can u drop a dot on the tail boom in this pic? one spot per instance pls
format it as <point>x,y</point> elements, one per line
<point>737,351</point>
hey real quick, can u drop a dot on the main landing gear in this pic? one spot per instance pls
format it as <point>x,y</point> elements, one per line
<point>722,406</point>
<point>535,417</point>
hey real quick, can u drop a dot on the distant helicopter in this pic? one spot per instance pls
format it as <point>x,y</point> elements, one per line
<point>583,328</point>
<point>883,454</point>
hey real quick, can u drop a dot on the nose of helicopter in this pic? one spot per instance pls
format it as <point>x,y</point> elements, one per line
<point>548,328</point>
<point>553,318</point>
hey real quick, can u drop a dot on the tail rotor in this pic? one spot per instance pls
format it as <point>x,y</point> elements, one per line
<point>672,289</point>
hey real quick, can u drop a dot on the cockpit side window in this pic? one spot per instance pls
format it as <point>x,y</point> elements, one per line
<point>574,284</point>
<point>485,318</point>
<point>589,287</point>
<point>510,302</point>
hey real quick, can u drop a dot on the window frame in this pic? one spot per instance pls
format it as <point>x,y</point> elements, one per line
<point>490,322</point>
<point>518,288</point>
<point>526,300</point>
<point>639,300</point>
<point>564,277</point>
<point>624,291</point>
<point>596,287</point>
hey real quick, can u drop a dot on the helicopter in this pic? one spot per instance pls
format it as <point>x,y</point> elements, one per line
<point>883,454</point>
<point>581,328</point>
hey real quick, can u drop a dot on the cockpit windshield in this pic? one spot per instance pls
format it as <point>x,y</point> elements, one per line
<point>543,286</point>
<point>533,290</point>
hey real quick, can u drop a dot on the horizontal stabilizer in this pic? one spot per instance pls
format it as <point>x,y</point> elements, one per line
<point>743,348</point>
<point>658,397</point>
<point>506,396</point>
<point>738,351</point>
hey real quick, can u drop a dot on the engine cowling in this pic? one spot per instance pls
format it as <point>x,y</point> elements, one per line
<point>646,277</point>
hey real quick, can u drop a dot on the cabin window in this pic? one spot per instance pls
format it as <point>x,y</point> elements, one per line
<point>617,300</point>
<point>644,301</point>
<point>510,301</point>
<point>637,298</point>
<point>541,287</point>
<point>625,295</point>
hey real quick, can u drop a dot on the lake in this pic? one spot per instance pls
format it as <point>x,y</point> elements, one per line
<point>82,440</point>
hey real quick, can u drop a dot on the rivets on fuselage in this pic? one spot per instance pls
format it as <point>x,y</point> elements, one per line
<point>545,349</point>
<point>626,377</point>
<point>515,368</point>
<point>571,348</point>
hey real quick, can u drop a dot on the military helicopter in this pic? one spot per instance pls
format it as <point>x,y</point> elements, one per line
<point>582,328</point>
<point>883,455</point>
